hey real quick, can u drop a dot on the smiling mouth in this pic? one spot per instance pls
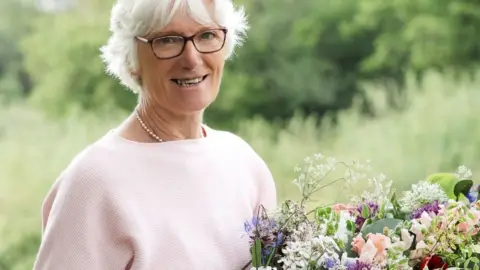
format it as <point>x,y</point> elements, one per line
<point>189,82</point>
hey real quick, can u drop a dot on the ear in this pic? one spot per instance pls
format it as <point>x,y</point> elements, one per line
<point>135,74</point>
<point>133,68</point>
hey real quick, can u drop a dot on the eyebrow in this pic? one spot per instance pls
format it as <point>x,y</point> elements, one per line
<point>176,33</point>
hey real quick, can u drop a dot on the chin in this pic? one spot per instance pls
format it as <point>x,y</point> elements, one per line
<point>198,106</point>
<point>196,98</point>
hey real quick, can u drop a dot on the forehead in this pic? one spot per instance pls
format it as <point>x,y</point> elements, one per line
<point>186,17</point>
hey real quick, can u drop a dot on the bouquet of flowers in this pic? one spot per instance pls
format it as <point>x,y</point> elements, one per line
<point>433,225</point>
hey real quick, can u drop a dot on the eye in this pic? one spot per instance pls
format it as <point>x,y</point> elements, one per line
<point>167,40</point>
<point>208,35</point>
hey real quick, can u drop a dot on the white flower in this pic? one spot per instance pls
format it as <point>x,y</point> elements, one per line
<point>406,241</point>
<point>263,268</point>
<point>313,172</point>
<point>381,189</point>
<point>463,173</point>
<point>342,232</point>
<point>304,247</point>
<point>422,193</point>
<point>421,225</point>
<point>368,252</point>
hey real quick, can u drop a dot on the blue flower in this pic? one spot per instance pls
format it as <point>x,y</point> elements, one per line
<point>331,263</point>
<point>279,240</point>
<point>472,197</point>
<point>250,225</point>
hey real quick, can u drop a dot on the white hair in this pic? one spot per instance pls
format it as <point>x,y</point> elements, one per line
<point>130,18</point>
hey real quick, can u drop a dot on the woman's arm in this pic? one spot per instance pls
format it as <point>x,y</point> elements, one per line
<point>81,228</point>
<point>267,193</point>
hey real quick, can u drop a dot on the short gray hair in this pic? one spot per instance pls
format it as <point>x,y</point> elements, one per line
<point>130,18</point>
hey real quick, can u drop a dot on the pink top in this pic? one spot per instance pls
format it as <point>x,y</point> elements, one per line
<point>173,205</point>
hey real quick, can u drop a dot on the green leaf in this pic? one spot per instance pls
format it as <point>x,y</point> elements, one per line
<point>447,182</point>
<point>365,211</point>
<point>348,247</point>
<point>394,201</point>
<point>350,225</point>
<point>379,225</point>
<point>271,256</point>
<point>382,211</point>
<point>257,253</point>
<point>462,187</point>
<point>473,261</point>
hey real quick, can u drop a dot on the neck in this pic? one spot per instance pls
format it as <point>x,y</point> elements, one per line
<point>167,125</point>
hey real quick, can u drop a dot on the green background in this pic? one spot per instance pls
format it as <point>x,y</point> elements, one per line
<point>393,81</point>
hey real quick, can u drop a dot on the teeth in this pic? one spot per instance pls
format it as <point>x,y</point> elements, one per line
<point>189,81</point>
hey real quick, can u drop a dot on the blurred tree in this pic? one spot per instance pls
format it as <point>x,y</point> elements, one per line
<point>15,23</point>
<point>419,35</point>
<point>297,57</point>
<point>308,56</point>
<point>66,68</point>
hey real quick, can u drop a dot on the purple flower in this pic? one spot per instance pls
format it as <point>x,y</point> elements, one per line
<point>279,240</point>
<point>372,209</point>
<point>331,263</point>
<point>358,265</point>
<point>264,230</point>
<point>249,226</point>
<point>430,208</point>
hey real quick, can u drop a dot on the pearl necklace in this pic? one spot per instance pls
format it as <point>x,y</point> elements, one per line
<point>151,132</point>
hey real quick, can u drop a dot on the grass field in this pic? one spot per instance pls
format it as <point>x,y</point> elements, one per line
<point>439,131</point>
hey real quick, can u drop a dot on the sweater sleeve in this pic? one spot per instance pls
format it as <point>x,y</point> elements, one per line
<point>267,193</point>
<point>80,225</point>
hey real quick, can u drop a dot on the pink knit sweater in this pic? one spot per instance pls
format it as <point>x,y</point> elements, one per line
<point>142,206</point>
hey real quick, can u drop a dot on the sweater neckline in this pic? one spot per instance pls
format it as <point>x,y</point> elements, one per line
<point>116,137</point>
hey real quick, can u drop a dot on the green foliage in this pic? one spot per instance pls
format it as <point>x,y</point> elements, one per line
<point>15,24</point>
<point>292,62</point>
<point>378,226</point>
<point>455,188</point>
<point>462,187</point>
<point>20,255</point>
<point>447,182</point>
<point>257,253</point>
<point>419,35</point>
<point>311,57</point>
<point>67,69</point>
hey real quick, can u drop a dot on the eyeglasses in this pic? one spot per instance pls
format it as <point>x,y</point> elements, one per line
<point>167,47</point>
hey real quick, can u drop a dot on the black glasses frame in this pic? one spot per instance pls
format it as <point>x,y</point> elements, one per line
<point>185,40</point>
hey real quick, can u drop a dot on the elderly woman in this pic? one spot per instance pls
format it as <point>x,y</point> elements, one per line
<point>162,190</point>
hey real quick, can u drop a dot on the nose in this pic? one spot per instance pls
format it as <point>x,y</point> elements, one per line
<point>191,58</point>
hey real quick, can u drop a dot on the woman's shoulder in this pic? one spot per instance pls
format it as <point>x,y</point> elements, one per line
<point>234,141</point>
<point>228,137</point>
<point>88,167</point>
<point>237,145</point>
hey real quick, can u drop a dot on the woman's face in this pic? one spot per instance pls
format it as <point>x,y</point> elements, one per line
<point>189,82</point>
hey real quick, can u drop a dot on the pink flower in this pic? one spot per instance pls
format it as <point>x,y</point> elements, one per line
<point>476,216</point>
<point>369,251</point>
<point>462,227</point>
<point>358,243</point>
<point>374,248</point>
<point>342,207</point>
<point>381,243</point>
